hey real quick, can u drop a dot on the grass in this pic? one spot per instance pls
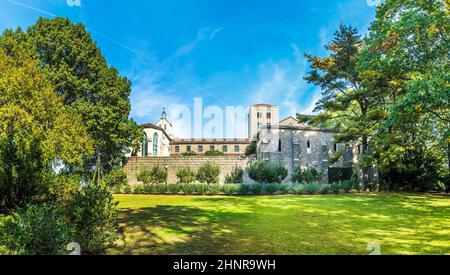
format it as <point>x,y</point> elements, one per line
<point>328,224</point>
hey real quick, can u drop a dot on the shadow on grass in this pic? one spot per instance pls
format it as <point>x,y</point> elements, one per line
<point>168,229</point>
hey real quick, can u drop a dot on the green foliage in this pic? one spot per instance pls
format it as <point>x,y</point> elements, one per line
<point>188,189</point>
<point>335,187</point>
<point>208,173</point>
<point>92,212</point>
<point>271,188</point>
<point>307,175</point>
<point>231,189</point>
<point>63,186</point>
<point>347,186</point>
<point>38,230</point>
<point>214,189</point>
<point>116,177</point>
<point>186,176</point>
<point>310,188</point>
<point>191,153</point>
<point>236,176</point>
<point>298,189</point>
<point>174,189</point>
<point>338,174</point>
<point>266,172</point>
<point>251,149</point>
<point>214,153</point>
<point>246,189</point>
<point>201,189</point>
<point>156,175</point>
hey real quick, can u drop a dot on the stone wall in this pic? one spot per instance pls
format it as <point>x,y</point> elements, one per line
<point>135,165</point>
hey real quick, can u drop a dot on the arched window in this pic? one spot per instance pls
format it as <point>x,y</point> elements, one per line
<point>155,144</point>
<point>145,146</point>
<point>308,147</point>
<point>280,147</point>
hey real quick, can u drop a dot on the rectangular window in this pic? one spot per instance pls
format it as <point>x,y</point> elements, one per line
<point>269,115</point>
<point>200,149</point>
<point>212,148</point>
<point>259,126</point>
<point>177,149</point>
<point>236,149</point>
<point>225,149</point>
<point>308,147</point>
<point>188,148</point>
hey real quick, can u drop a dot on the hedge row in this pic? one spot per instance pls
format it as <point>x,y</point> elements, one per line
<point>238,189</point>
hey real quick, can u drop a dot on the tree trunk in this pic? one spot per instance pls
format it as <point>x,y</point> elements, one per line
<point>365,170</point>
<point>99,170</point>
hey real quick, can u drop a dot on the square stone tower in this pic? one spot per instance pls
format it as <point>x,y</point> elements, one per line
<point>261,116</point>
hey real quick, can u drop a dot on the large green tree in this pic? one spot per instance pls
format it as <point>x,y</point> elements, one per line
<point>37,131</point>
<point>346,101</point>
<point>88,85</point>
<point>408,47</point>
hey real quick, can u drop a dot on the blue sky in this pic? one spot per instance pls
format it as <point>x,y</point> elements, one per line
<point>228,52</point>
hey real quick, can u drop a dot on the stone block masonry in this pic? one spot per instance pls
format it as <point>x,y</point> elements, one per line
<point>135,165</point>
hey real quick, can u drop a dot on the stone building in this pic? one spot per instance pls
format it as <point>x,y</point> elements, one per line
<point>230,146</point>
<point>260,116</point>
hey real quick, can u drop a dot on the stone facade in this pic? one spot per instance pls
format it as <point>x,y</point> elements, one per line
<point>135,165</point>
<point>259,116</point>
<point>201,146</point>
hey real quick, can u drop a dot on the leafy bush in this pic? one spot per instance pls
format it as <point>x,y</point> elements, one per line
<point>191,153</point>
<point>306,175</point>
<point>140,189</point>
<point>186,176</point>
<point>160,189</point>
<point>208,173</point>
<point>201,188</point>
<point>286,188</point>
<point>271,188</point>
<point>347,186</point>
<point>39,230</point>
<point>214,189</point>
<point>230,189</point>
<point>214,153</point>
<point>156,175</point>
<point>63,186</point>
<point>264,172</point>
<point>245,189</point>
<point>251,149</point>
<point>257,189</point>
<point>174,189</point>
<point>335,187</point>
<point>127,189</point>
<point>324,188</point>
<point>337,174</point>
<point>298,188</point>
<point>310,188</point>
<point>236,176</point>
<point>92,212</point>
<point>188,189</point>
<point>116,177</point>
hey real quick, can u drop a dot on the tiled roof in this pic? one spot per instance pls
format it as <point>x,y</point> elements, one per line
<point>264,105</point>
<point>156,127</point>
<point>211,141</point>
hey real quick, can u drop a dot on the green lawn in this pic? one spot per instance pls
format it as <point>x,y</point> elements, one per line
<point>328,224</point>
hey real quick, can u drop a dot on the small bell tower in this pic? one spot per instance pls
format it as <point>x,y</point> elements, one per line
<point>164,123</point>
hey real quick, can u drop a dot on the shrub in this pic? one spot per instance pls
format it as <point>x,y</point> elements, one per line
<point>116,177</point>
<point>286,188</point>
<point>245,189</point>
<point>257,189</point>
<point>251,149</point>
<point>140,189</point>
<point>63,186</point>
<point>230,189</point>
<point>357,186</point>
<point>335,188</point>
<point>39,230</point>
<point>191,153</point>
<point>186,176</point>
<point>236,176</point>
<point>347,186</point>
<point>306,175</point>
<point>214,189</point>
<point>174,189</point>
<point>324,188</point>
<point>188,189</point>
<point>271,188</point>
<point>160,189</point>
<point>264,172</point>
<point>156,175</point>
<point>201,188</point>
<point>127,189</point>
<point>298,188</point>
<point>92,212</point>
<point>337,174</point>
<point>310,188</point>
<point>214,153</point>
<point>208,173</point>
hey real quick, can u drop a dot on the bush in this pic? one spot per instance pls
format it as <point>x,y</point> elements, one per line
<point>266,172</point>
<point>92,212</point>
<point>214,153</point>
<point>310,188</point>
<point>298,188</point>
<point>335,188</point>
<point>188,189</point>
<point>306,175</point>
<point>324,188</point>
<point>257,189</point>
<point>185,176</point>
<point>174,189</point>
<point>116,177</point>
<point>251,149</point>
<point>245,189</point>
<point>156,175</point>
<point>63,186</point>
<point>272,188</point>
<point>127,189</point>
<point>208,173</point>
<point>230,189</point>
<point>214,189</point>
<point>347,186</point>
<point>191,153</point>
<point>286,188</point>
<point>39,230</point>
<point>201,188</point>
<point>338,174</point>
<point>140,189</point>
<point>236,176</point>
